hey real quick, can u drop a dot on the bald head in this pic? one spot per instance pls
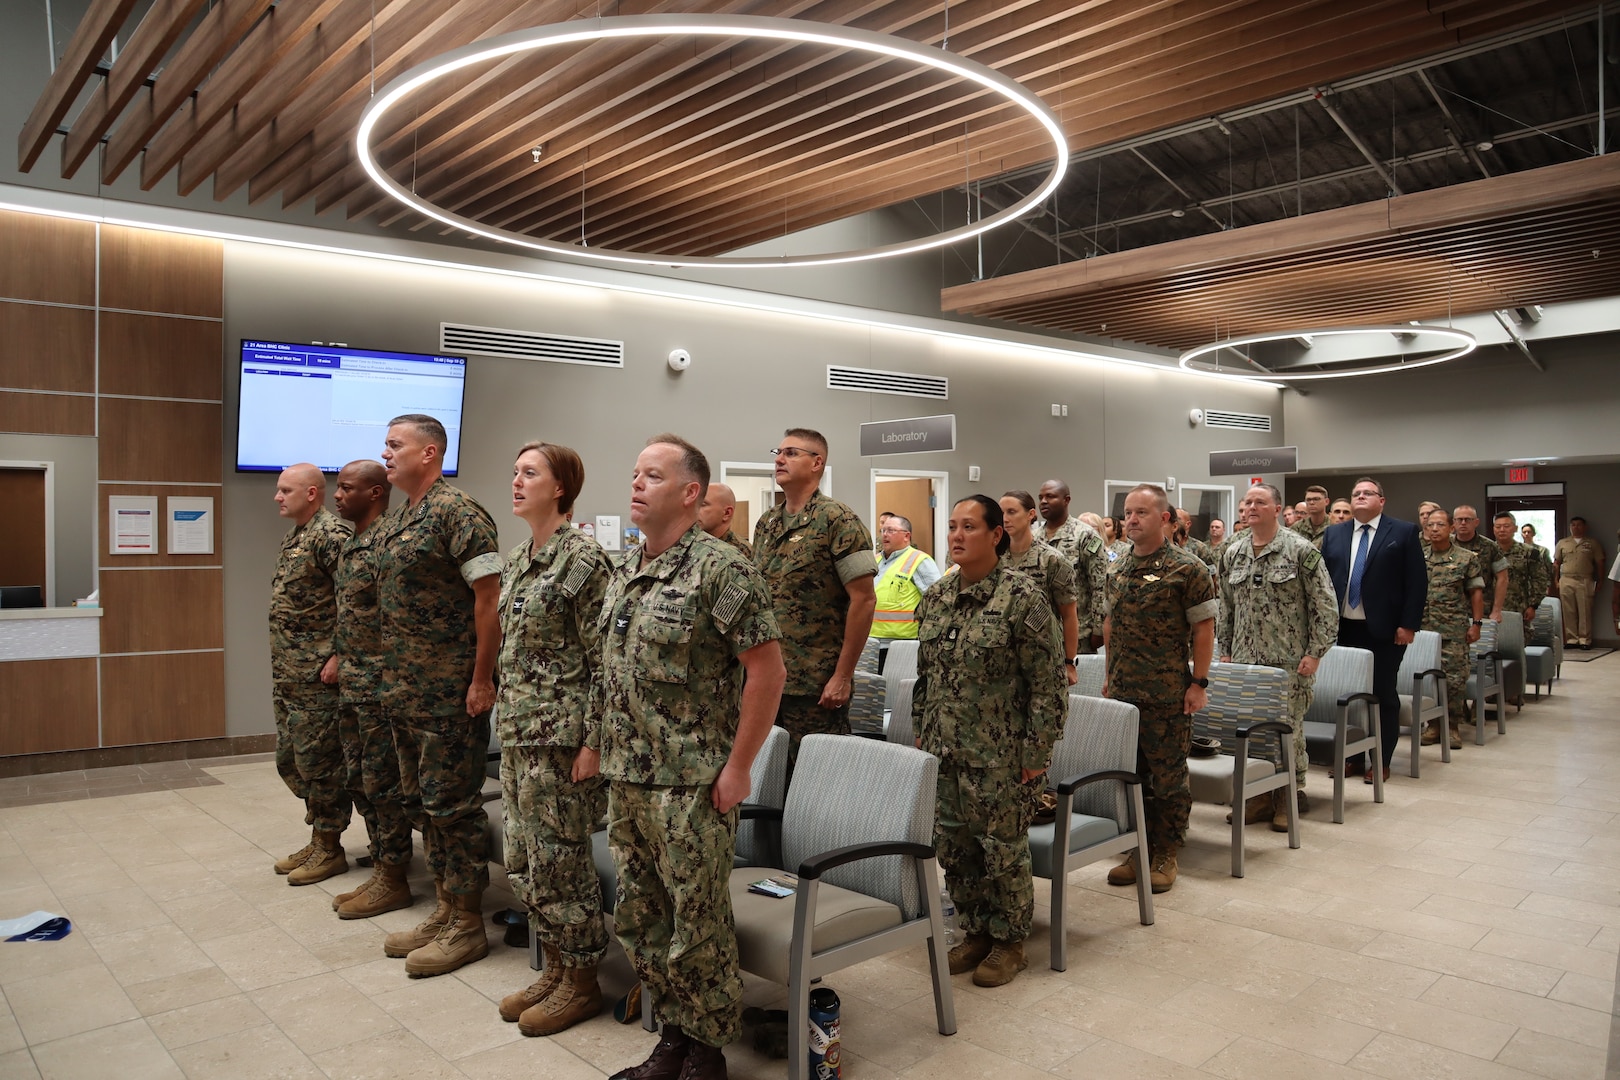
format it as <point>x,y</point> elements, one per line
<point>300,491</point>
<point>719,506</point>
<point>362,492</point>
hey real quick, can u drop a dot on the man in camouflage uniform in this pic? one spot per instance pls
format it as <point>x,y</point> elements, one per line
<point>715,515</point>
<point>1278,609</point>
<point>994,697</point>
<point>1083,547</point>
<point>1189,543</point>
<point>1315,521</point>
<point>356,667</point>
<point>817,558</point>
<point>1528,573</point>
<point>678,730</point>
<point>438,590</point>
<point>1454,610</point>
<point>1577,564</point>
<point>1492,563</point>
<point>1161,613</point>
<point>303,609</point>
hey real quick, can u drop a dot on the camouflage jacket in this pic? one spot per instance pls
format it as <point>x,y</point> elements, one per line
<point>1153,602</point>
<point>1083,547</point>
<point>1277,604</point>
<point>358,637</point>
<point>807,559</point>
<point>1453,573</point>
<point>991,688</point>
<point>1491,562</point>
<point>1201,551</point>
<point>551,607</point>
<point>1050,570</point>
<point>1529,574</point>
<point>303,603</point>
<point>744,548</point>
<point>428,556</point>
<point>1313,533</point>
<point>671,685</point>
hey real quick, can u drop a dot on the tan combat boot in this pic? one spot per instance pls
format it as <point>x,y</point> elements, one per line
<point>1431,734</point>
<point>1455,736</point>
<point>578,996</point>
<point>292,862</point>
<point>1164,872</point>
<point>514,1005</point>
<point>386,891</point>
<point>404,942</point>
<point>326,859</point>
<point>460,941</point>
<point>967,954</point>
<point>1002,966</point>
<point>344,897</point>
<point>1125,872</point>
<point>1255,810</point>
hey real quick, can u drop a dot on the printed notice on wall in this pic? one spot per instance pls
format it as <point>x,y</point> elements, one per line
<point>191,525</point>
<point>607,532</point>
<point>132,524</point>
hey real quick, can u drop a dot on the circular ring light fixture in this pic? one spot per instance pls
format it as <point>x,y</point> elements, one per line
<point>1465,343</point>
<point>660,26</point>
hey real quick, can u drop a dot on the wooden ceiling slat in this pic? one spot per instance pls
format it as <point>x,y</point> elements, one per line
<point>156,33</point>
<point>95,32</point>
<point>269,40</point>
<point>220,29</point>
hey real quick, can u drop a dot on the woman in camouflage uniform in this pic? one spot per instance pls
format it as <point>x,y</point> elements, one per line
<point>551,595</point>
<point>1042,562</point>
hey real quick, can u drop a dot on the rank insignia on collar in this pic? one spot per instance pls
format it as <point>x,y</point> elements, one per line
<point>1150,577</point>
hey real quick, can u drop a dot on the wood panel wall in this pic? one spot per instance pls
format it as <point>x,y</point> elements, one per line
<point>115,334</point>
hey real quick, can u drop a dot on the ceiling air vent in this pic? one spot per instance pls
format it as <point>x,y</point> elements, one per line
<point>527,345</point>
<point>872,381</point>
<point>1236,421</point>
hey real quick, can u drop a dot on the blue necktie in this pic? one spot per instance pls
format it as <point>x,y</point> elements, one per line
<point>1359,567</point>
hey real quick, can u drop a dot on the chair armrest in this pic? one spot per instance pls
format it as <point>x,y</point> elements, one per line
<point>1359,695</point>
<point>1075,783</point>
<point>757,812</point>
<point>817,865</point>
<point>1491,654</point>
<point>1434,671</point>
<point>1282,727</point>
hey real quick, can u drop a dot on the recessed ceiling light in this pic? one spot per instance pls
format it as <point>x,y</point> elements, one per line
<point>1484,145</point>
<point>1178,213</point>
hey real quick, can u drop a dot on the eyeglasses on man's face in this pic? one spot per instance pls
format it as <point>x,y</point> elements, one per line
<point>792,452</point>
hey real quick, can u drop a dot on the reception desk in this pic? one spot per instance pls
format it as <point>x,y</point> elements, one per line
<point>49,679</point>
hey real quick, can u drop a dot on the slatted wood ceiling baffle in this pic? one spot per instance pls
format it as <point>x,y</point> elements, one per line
<point>687,147</point>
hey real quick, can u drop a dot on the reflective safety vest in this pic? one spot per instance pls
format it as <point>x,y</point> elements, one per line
<point>896,615</point>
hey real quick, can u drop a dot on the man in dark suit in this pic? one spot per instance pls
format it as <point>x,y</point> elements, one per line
<point>1378,572</point>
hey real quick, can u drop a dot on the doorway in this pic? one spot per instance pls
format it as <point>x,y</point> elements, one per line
<point>1206,502</point>
<point>922,497</point>
<point>27,544</point>
<point>754,483</point>
<point>1543,505</point>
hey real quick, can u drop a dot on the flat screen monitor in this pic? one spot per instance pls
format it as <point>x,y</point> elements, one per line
<point>19,596</point>
<point>330,405</point>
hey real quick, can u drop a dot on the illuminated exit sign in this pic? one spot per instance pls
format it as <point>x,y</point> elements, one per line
<point>1520,474</point>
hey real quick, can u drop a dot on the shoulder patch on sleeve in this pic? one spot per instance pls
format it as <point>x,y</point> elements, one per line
<point>730,603</point>
<point>1311,559</point>
<point>578,575</point>
<point>1039,615</point>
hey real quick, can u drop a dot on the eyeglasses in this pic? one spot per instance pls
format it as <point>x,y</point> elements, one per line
<point>792,452</point>
<point>889,529</point>
<point>1365,493</point>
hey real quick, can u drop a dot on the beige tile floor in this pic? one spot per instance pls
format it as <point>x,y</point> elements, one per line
<point>1467,928</point>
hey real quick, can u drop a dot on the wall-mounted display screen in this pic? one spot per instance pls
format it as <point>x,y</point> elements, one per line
<point>330,404</point>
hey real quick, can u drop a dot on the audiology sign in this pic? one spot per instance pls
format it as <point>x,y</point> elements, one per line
<point>1271,459</point>
<point>918,435</point>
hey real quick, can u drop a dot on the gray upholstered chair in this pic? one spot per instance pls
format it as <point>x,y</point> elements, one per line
<point>901,664</point>
<point>1247,703</point>
<point>869,657</point>
<point>1544,656</point>
<point>899,730</point>
<point>866,703</point>
<point>859,829</point>
<point>1343,718</point>
<point>1510,647</point>
<point>1421,683</point>
<point>1099,810</point>
<point>1092,670</point>
<point>1485,680</point>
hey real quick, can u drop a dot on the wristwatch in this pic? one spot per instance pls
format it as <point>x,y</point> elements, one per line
<point>1070,663</point>
<point>1479,622</point>
<point>1202,684</point>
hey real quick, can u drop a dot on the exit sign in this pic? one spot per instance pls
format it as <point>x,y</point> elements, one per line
<point>1520,474</point>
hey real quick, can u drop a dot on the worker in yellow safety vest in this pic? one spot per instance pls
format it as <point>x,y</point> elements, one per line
<point>904,574</point>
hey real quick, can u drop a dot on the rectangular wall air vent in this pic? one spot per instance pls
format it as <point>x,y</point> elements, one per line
<point>1236,421</point>
<point>528,345</point>
<point>872,381</point>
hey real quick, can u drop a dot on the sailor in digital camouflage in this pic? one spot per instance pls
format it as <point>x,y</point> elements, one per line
<point>1453,609</point>
<point>303,610</point>
<point>1083,547</point>
<point>990,701</point>
<point>551,606</point>
<point>1529,573</point>
<point>1277,609</point>
<point>718,514</point>
<point>1316,519</point>
<point>683,622</point>
<point>1041,561</point>
<point>438,590</point>
<point>817,557</point>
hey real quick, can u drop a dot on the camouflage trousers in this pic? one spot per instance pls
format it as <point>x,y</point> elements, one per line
<point>1164,739</point>
<point>372,766</point>
<point>802,714</point>
<point>981,831</point>
<point>309,757</point>
<point>441,772</point>
<point>549,821</point>
<point>1301,689</point>
<point>1454,662</point>
<point>673,852</point>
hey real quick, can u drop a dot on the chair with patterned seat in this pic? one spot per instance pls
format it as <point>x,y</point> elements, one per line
<point>1544,656</point>
<point>1342,721</point>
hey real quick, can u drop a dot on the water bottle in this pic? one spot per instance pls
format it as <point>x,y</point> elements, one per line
<point>826,1057</point>
<point>947,908</point>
